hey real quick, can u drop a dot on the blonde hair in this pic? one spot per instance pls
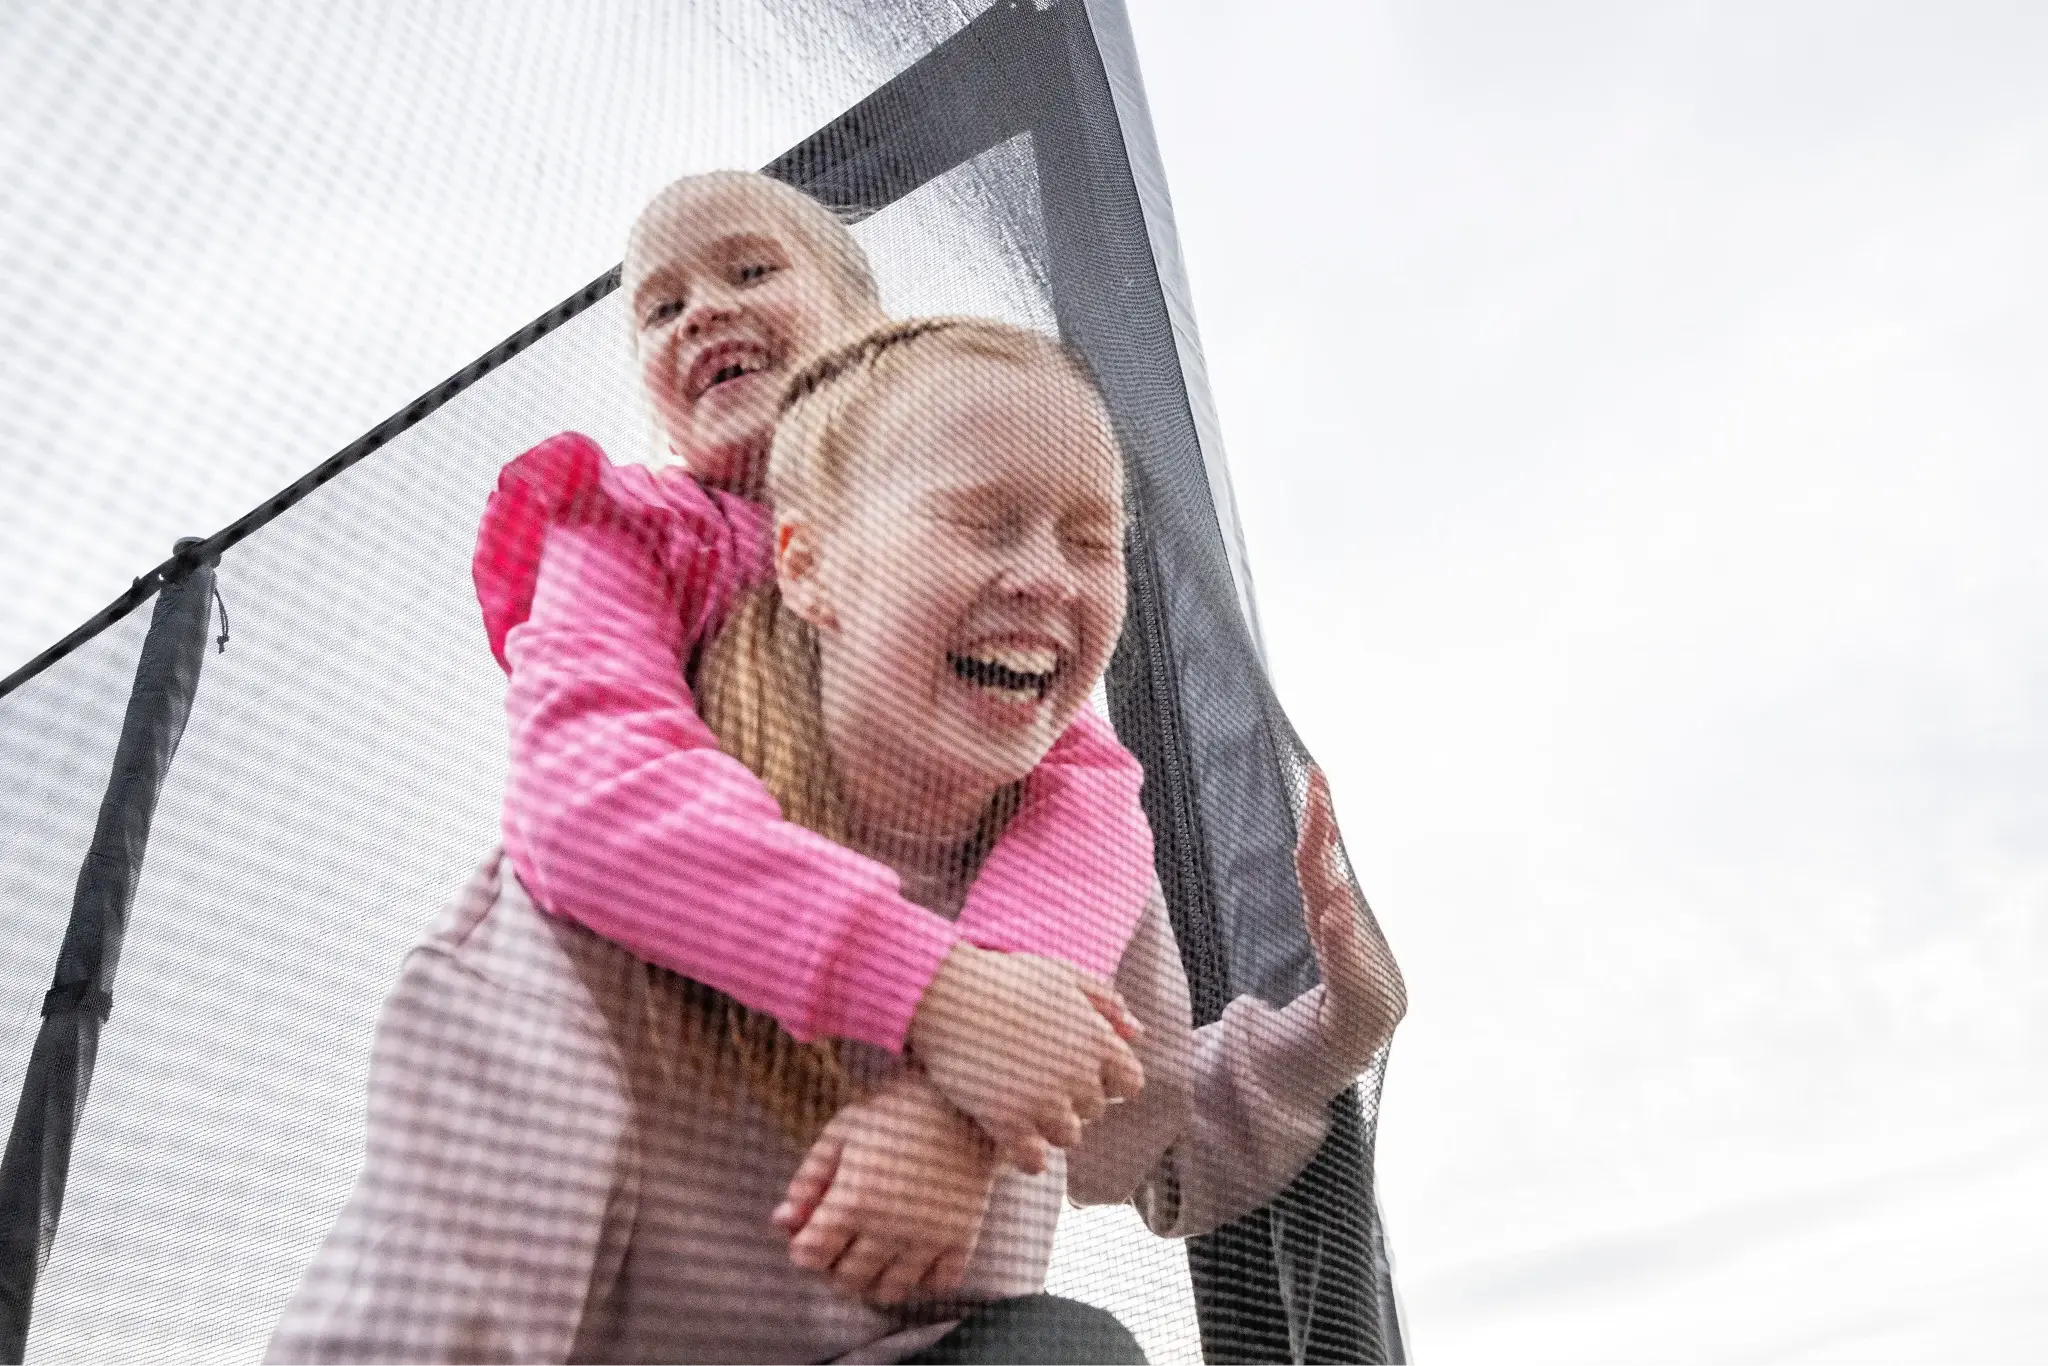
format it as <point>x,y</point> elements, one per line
<point>757,685</point>
<point>810,463</point>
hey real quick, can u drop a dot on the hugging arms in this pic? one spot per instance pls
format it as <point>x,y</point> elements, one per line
<point>581,1119</point>
<point>903,1173</point>
<point>601,587</point>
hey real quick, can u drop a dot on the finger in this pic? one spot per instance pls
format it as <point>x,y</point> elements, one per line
<point>1318,843</point>
<point>1322,812</point>
<point>860,1265</point>
<point>807,1188</point>
<point>1028,1154</point>
<point>1322,936</point>
<point>1007,1126</point>
<point>1059,1125</point>
<point>1086,1093</point>
<point>948,1273</point>
<point>822,1242</point>
<point>1326,893</point>
<point>1109,1003</point>
<point>1123,1076</point>
<point>901,1278</point>
<point>1090,1107</point>
<point>1335,939</point>
<point>1332,910</point>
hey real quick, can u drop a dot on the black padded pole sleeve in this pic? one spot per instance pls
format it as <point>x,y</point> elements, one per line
<point>60,1069</point>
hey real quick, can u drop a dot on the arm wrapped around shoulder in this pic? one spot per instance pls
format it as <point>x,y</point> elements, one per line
<point>621,811</point>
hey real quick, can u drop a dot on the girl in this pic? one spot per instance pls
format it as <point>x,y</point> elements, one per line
<point>569,1158</point>
<point>599,586</point>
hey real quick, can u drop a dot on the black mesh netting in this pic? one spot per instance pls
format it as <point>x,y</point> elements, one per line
<point>343,763</point>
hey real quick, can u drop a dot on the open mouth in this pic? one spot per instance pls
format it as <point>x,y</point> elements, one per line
<point>723,364</point>
<point>1012,673</point>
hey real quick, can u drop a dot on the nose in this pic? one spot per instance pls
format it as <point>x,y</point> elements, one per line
<point>710,306</point>
<point>1039,569</point>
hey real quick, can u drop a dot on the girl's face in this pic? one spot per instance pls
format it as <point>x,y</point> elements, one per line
<point>729,292</point>
<point>969,592</point>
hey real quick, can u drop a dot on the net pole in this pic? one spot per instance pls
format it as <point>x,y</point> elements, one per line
<point>1303,1279</point>
<point>38,1159</point>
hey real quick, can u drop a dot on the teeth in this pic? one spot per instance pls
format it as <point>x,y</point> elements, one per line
<point>997,671</point>
<point>735,368</point>
<point>1022,659</point>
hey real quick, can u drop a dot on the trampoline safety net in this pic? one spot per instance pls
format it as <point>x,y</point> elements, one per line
<point>283,828</point>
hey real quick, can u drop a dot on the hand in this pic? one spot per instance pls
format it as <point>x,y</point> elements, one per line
<point>889,1201</point>
<point>1363,995</point>
<point>1030,1049</point>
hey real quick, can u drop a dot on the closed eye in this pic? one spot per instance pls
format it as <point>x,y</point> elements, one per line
<point>753,271</point>
<point>1094,534</point>
<point>662,311</point>
<point>993,529</point>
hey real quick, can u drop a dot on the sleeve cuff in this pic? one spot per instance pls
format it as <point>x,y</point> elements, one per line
<point>1297,1063</point>
<point>889,956</point>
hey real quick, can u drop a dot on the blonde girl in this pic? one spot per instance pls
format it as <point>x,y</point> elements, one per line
<point>600,584</point>
<point>568,1157</point>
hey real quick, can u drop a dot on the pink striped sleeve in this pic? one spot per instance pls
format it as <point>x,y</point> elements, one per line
<point>620,811</point>
<point>1071,875</point>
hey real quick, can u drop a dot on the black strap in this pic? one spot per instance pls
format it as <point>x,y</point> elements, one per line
<point>78,996</point>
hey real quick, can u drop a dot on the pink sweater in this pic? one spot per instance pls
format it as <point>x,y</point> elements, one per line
<point>599,585</point>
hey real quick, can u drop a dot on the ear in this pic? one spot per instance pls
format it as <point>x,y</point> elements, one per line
<point>800,574</point>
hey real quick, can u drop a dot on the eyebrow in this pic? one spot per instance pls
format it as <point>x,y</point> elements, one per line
<point>656,282</point>
<point>972,498</point>
<point>967,499</point>
<point>730,244</point>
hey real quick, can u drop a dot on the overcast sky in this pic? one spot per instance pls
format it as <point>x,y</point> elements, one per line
<point>1636,418</point>
<point>1635,421</point>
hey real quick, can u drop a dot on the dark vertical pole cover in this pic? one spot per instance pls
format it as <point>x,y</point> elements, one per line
<point>60,1069</point>
<point>1305,1279</point>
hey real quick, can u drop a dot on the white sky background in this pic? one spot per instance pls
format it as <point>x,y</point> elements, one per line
<point>1636,418</point>
<point>1630,409</point>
